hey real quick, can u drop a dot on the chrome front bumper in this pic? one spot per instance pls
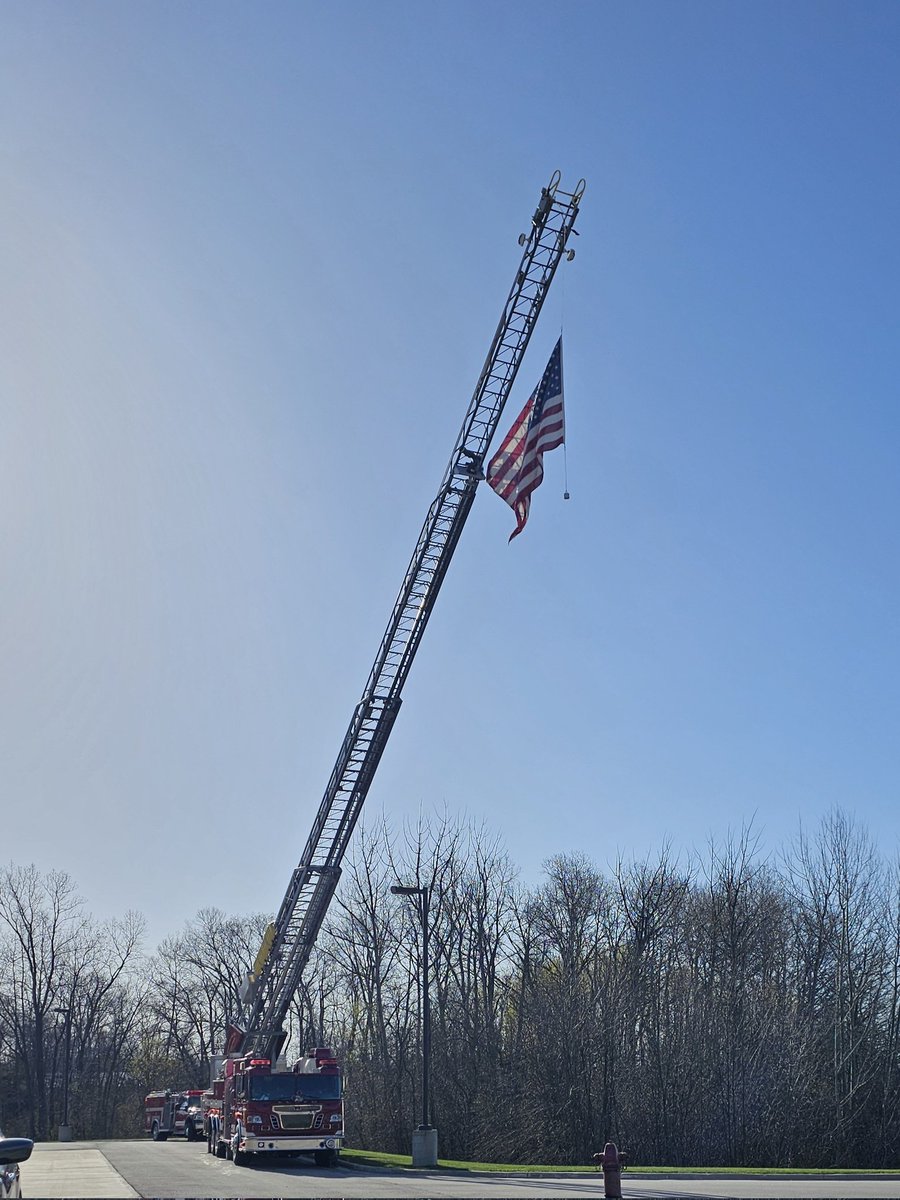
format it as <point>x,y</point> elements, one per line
<point>282,1145</point>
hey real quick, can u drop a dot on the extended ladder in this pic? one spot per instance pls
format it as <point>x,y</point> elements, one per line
<point>314,879</point>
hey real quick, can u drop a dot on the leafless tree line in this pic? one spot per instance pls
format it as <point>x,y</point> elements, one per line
<point>726,1009</point>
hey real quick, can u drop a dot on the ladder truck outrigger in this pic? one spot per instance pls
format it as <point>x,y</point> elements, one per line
<point>256,1106</point>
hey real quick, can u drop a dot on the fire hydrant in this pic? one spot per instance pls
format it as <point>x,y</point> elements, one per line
<point>612,1163</point>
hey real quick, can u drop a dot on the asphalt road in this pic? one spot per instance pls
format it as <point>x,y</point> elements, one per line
<point>127,1169</point>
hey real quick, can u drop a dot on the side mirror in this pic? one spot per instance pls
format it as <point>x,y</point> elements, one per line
<point>15,1150</point>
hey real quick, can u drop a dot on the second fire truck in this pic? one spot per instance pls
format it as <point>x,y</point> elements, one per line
<point>176,1113</point>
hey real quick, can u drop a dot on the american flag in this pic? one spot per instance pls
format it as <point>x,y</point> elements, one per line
<point>518,466</point>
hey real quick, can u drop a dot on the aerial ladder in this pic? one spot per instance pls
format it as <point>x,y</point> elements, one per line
<point>275,980</point>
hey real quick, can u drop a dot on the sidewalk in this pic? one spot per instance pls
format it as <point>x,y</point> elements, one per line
<point>88,1173</point>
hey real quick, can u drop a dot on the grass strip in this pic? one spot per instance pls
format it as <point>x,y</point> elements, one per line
<point>375,1158</point>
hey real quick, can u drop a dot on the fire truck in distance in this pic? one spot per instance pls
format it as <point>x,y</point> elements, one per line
<point>178,1113</point>
<point>252,1109</point>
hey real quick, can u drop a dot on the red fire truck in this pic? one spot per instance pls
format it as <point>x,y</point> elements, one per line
<point>178,1113</point>
<point>255,1110</point>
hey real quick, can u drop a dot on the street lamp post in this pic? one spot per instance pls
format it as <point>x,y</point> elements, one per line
<point>65,1132</point>
<point>425,1137</point>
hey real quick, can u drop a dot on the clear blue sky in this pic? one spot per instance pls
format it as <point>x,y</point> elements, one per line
<point>252,258</point>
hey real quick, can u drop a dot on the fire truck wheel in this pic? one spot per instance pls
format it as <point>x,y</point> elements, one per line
<point>157,1134</point>
<point>239,1158</point>
<point>326,1158</point>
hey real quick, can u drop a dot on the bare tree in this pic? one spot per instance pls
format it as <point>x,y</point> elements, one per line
<point>44,923</point>
<point>196,978</point>
<point>69,1001</point>
<point>840,901</point>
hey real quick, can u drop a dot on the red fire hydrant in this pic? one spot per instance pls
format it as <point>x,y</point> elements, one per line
<point>612,1162</point>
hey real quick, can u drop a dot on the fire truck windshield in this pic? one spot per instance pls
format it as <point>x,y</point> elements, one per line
<point>293,1088</point>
